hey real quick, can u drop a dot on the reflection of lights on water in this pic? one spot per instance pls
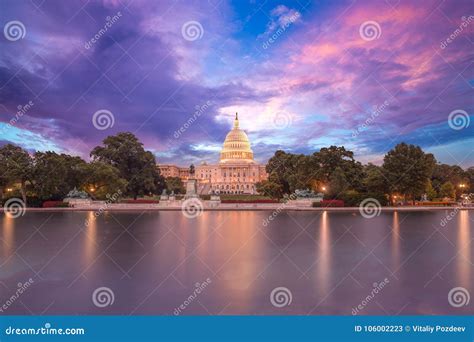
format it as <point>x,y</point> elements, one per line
<point>8,234</point>
<point>90,242</point>
<point>464,248</point>
<point>396,239</point>
<point>324,259</point>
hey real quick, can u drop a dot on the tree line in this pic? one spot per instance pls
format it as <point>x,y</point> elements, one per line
<point>407,173</point>
<point>119,164</point>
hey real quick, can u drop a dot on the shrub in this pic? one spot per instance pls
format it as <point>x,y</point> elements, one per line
<point>328,203</point>
<point>55,204</point>
<point>34,202</point>
<point>353,199</point>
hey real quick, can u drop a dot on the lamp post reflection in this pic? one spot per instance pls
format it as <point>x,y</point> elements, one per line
<point>396,240</point>
<point>464,254</point>
<point>324,256</point>
<point>7,235</point>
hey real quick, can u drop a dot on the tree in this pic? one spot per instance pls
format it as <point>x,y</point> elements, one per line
<point>290,171</point>
<point>278,168</point>
<point>102,179</point>
<point>443,173</point>
<point>408,169</point>
<point>54,175</point>
<point>328,159</point>
<point>16,167</point>
<point>299,171</point>
<point>431,192</point>
<point>374,180</point>
<point>137,166</point>
<point>175,184</point>
<point>270,189</point>
<point>448,190</point>
<point>338,183</point>
<point>470,179</point>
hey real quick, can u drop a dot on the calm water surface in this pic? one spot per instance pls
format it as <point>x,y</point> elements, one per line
<point>153,260</point>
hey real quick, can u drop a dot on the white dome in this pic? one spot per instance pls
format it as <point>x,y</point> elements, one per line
<point>236,146</point>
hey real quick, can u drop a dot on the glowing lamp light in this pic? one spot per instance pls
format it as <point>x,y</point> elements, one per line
<point>323,188</point>
<point>9,189</point>
<point>92,189</point>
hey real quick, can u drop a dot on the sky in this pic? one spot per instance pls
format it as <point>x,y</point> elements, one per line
<point>302,75</point>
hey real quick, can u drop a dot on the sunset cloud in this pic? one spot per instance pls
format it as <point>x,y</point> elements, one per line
<point>321,77</point>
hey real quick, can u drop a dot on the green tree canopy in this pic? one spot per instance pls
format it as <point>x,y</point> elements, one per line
<point>54,175</point>
<point>102,179</point>
<point>338,183</point>
<point>408,169</point>
<point>430,191</point>
<point>137,166</point>
<point>374,180</point>
<point>443,173</point>
<point>16,166</point>
<point>328,159</point>
<point>447,190</point>
<point>299,171</point>
<point>269,188</point>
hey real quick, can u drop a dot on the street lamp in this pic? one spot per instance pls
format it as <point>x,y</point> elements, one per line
<point>462,185</point>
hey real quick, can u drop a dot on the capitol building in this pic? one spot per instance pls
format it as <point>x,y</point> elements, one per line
<point>236,173</point>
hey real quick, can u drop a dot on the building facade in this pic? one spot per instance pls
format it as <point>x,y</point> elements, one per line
<point>236,173</point>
